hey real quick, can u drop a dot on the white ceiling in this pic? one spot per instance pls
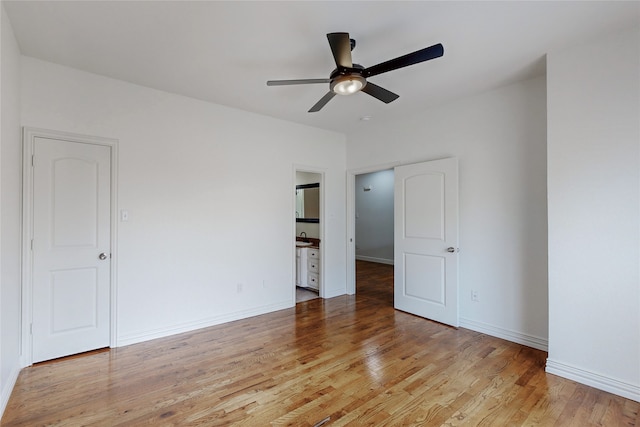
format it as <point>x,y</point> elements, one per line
<point>224,52</point>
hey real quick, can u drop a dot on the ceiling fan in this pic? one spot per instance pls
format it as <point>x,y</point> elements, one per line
<point>349,78</point>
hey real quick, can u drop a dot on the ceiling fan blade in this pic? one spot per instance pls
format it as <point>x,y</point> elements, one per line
<point>296,82</point>
<point>416,57</point>
<point>380,93</point>
<point>341,49</point>
<point>323,101</point>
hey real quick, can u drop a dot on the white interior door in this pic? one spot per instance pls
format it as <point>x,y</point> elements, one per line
<point>71,248</point>
<point>426,240</point>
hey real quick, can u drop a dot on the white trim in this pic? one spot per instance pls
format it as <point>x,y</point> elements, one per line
<point>374,259</point>
<point>114,242</point>
<point>136,337</point>
<point>28,136</point>
<point>601,382</point>
<point>506,334</point>
<point>27,232</point>
<point>8,388</point>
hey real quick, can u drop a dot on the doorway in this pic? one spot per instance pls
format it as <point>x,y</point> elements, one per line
<point>374,228</point>
<point>68,234</point>
<point>425,237</point>
<point>308,234</point>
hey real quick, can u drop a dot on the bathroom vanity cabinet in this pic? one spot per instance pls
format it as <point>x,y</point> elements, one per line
<point>313,268</point>
<point>308,267</point>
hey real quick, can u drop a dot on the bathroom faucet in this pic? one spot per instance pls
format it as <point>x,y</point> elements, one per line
<point>305,234</point>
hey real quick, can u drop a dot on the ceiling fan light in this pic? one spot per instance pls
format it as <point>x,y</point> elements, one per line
<point>347,85</point>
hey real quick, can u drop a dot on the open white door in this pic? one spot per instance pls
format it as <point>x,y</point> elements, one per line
<point>426,240</point>
<point>71,247</point>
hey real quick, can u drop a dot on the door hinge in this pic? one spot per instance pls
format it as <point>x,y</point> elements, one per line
<point>31,328</point>
<point>33,160</point>
<point>31,244</point>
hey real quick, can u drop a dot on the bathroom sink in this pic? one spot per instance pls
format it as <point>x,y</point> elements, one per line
<point>303,243</point>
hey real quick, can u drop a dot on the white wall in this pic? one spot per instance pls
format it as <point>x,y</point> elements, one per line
<point>10,211</point>
<point>185,167</point>
<point>374,216</point>
<point>594,210</point>
<point>499,138</point>
<point>307,178</point>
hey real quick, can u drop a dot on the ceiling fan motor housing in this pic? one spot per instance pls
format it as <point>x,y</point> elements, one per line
<point>347,80</point>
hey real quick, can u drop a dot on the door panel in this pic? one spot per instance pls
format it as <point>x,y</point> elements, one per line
<point>80,286</point>
<point>426,225</point>
<point>75,190</point>
<point>424,278</point>
<point>424,216</point>
<point>71,228</point>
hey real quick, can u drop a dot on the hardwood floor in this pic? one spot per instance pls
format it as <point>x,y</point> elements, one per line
<point>353,359</point>
<point>375,281</point>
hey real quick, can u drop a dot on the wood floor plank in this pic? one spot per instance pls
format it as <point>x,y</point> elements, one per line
<point>352,359</point>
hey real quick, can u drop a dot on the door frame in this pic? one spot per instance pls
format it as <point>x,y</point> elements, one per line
<point>321,172</point>
<point>351,218</point>
<point>28,139</point>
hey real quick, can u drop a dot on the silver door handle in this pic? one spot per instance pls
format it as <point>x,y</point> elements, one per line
<point>102,256</point>
<point>452,250</point>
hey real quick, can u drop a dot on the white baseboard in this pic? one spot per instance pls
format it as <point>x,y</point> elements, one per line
<point>142,336</point>
<point>7,388</point>
<point>506,334</point>
<point>592,379</point>
<point>374,259</point>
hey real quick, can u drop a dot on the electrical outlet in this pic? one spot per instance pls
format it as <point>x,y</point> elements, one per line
<point>474,296</point>
<point>239,288</point>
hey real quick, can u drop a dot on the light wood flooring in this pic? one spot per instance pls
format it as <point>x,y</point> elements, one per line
<point>350,360</point>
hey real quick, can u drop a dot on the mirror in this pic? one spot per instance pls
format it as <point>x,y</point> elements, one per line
<point>308,202</point>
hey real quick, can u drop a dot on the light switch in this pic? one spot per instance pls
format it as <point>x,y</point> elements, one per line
<point>124,215</point>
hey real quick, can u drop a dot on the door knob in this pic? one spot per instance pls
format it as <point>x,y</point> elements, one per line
<point>452,249</point>
<point>102,256</point>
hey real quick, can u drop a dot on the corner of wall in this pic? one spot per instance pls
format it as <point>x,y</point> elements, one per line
<point>10,210</point>
<point>7,387</point>
<point>592,114</point>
